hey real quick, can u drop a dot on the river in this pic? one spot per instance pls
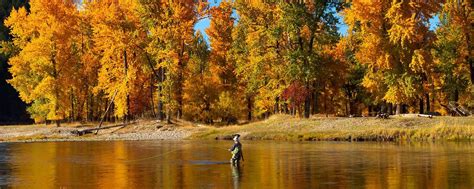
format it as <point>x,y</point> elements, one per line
<point>267,164</point>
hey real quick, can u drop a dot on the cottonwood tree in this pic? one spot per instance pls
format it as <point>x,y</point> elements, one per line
<point>170,26</point>
<point>395,45</point>
<point>41,69</point>
<point>117,34</point>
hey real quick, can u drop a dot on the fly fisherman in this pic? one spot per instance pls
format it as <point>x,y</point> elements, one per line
<point>236,151</point>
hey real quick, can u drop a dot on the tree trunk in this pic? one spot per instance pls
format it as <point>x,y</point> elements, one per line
<point>87,106</point>
<point>179,92</point>
<point>369,109</point>
<point>56,90</point>
<point>151,96</point>
<point>399,109</point>
<point>428,108</point>
<point>383,107</point>
<point>422,105</point>
<point>307,107</point>
<point>125,66</point>
<point>325,106</point>
<point>471,65</point>
<point>91,105</point>
<point>277,105</point>
<point>72,106</point>
<point>307,103</point>
<point>161,79</point>
<point>285,108</point>
<point>390,109</point>
<point>314,109</point>
<point>469,57</point>
<point>179,82</point>
<point>348,105</point>
<point>456,95</point>
<point>168,107</point>
<point>249,108</point>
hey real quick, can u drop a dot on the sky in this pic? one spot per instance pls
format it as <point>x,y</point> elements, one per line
<point>204,23</point>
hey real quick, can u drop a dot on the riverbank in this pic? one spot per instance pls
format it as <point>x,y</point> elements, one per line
<point>277,127</point>
<point>396,128</point>
<point>138,130</point>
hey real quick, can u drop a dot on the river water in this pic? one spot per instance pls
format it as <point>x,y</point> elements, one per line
<point>267,164</point>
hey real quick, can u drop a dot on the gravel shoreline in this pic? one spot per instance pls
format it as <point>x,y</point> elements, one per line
<point>140,130</point>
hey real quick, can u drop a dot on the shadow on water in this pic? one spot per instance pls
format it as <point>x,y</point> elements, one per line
<point>204,164</point>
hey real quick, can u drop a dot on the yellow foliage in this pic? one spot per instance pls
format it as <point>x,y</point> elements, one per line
<point>117,35</point>
<point>393,39</point>
<point>41,69</point>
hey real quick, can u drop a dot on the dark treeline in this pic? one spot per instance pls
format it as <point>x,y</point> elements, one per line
<point>12,109</point>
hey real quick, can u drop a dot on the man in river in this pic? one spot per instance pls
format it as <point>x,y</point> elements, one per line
<point>236,151</point>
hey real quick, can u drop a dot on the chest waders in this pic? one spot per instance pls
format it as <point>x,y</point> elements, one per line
<point>236,155</point>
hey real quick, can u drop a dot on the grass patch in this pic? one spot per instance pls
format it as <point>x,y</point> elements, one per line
<point>284,127</point>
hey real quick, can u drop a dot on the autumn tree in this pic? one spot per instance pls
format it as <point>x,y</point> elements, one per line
<point>459,14</point>
<point>309,30</point>
<point>395,42</point>
<point>352,75</point>
<point>200,93</point>
<point>453,53</point>
<point>40,70</point>
<point>117,35</point>
<point>171,28</point>
<point>88,103</point>
<point>221,63</point>
<point>255,50</point>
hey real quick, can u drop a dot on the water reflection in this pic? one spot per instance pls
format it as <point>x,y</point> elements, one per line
<point>236,173</point>
<point>191,164</point>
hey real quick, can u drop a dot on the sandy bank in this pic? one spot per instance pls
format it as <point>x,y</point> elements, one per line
<point>138,130</point>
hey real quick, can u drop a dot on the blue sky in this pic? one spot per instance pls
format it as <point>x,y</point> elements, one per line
<point>204,23</point>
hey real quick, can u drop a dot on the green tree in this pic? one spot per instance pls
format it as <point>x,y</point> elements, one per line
<point>309,30</point>
<point>452,71</point>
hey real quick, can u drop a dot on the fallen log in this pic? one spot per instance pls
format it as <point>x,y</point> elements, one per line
<point>425,115</point>
<point>91,130</point>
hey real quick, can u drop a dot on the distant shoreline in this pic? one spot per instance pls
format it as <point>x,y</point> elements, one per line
<point>278,127</point>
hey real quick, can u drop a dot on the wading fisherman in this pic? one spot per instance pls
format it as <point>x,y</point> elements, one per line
<point>236,151</point>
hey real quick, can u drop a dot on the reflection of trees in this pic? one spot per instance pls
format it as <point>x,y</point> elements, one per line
<point>369,165</point>
<point>34,164</point>
<point>267,165</point>
<point>5,167</point>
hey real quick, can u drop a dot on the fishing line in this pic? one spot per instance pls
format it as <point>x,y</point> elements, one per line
<point>221,148</point>
<point>151,157</point>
